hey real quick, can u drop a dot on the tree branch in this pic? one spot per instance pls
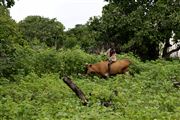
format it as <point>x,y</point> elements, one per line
<point>174,50</point>
<point>78,92</point>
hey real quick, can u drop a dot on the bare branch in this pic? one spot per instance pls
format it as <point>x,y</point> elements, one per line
<point>174,50</point>
<point>74,87</point>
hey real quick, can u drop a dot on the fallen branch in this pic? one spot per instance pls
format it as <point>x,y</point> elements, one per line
<point>78,92</point>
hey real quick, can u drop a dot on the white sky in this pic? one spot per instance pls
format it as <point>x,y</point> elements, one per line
<point>68,12</point>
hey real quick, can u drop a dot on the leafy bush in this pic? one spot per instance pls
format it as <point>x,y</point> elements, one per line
<point>148,95</point>
<point>64,62</point>
<point>39,92</point>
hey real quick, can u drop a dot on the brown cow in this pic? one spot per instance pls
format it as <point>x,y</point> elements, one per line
<point>101,68</point>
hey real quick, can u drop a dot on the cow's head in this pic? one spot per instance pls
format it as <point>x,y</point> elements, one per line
<point>89,69</point>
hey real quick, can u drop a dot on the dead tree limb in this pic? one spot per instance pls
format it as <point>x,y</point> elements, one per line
<point>174,50</point>
<point>78,92</point>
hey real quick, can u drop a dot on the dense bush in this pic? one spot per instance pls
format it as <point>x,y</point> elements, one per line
<point>64,62</point>
<point>38,93</point>
<point>42,61</point>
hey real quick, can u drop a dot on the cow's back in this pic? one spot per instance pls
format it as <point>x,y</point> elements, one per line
<point>119,66</point>
<point>102,67</point>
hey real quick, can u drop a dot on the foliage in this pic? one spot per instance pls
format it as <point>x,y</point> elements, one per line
<point>149,94</point>
<point>49,31</point>
<point>139,26</point>
<point>7,3</point>
<point>65,61</point>
<point>80,35</point>
<point>31,85</point>
<point>9,37</point>
<point>43,61</point>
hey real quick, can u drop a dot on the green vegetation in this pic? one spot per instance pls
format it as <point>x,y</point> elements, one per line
<point>40,94</point>
<point>139,26</point>
<point>36,53</point>
<point>48,31</point>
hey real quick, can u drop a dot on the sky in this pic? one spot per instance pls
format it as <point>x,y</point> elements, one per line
<point>68,12</point>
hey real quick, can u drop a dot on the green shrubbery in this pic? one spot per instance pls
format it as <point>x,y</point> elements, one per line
<point>31,85</point>
<point>64,62</point>
<point>37,92</point>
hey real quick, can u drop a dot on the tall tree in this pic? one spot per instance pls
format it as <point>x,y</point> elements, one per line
<point>140,25</point>
<point>80,35</point>
<point>8,38</point>
<point>49,31</point>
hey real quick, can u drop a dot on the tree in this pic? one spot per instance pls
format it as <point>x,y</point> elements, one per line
<point>80,35</point>
<point>7,3</point>
<point>49,31</point>
<point>8,38</point>
<point>95,25</point>
<point>167,14</point>
<point>140,25</point>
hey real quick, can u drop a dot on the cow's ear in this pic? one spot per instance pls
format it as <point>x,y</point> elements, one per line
<point>90,65</point>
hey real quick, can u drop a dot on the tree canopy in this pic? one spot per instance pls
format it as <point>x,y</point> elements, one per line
<point>9,37</point>
<point>49,31</point>
<point>80,35</point>
<point>140,26</point>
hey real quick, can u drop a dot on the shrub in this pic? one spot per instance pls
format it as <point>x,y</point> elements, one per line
<point>64,62</point>
<point>39,93</point>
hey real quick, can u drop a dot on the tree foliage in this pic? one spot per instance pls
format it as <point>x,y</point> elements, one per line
<point>80,35</point>
<point>49,31</point>
<point>7,3</point>
<point>9,37</point>
<point>140,25</point>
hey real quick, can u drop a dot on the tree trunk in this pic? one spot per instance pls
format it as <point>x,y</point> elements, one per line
<point>165,50</point>
<point>78,92</point>
<point>166,53</point>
